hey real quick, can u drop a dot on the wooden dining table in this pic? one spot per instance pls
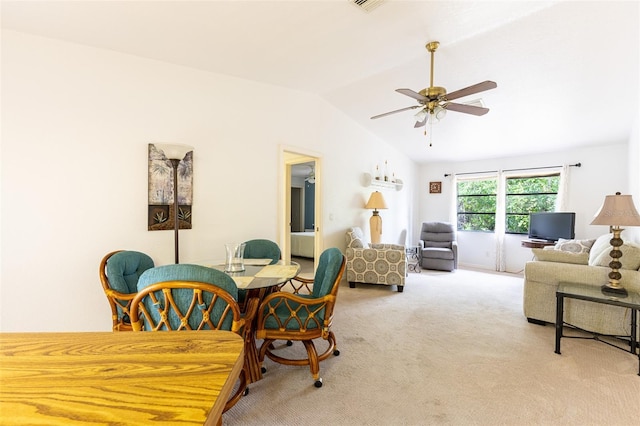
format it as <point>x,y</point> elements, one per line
<point>182,377</point>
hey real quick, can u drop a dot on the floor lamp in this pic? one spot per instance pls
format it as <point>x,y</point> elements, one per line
<point>617,210</point>
<point>376,201</point>
<point>175,154</point>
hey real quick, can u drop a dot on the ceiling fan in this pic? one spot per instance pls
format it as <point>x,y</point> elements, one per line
<point>435,101</point>
<point>311,177</point>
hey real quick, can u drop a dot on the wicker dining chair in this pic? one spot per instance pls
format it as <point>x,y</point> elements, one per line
<point>296,317</point>
<point>119,273</point>
<point>258,249</point>
<point>262,249</point>
<point>191,297</point>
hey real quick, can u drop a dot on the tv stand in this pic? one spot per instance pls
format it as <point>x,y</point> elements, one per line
<point>535,243</point>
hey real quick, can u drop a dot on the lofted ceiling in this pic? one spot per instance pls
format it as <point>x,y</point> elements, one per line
<point>567,71</point>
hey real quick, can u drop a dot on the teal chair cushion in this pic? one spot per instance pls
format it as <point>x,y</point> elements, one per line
<point>328,269</point>
<point>183,297</point>
<point>124,269</point>
<point>262,249</point>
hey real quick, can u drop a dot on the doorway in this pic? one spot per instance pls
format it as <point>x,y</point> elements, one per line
<point>300,205</point>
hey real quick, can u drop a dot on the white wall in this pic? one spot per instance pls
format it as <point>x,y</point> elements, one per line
<point>76,123</point>
<point>634,162</point>
<point>603,172</point>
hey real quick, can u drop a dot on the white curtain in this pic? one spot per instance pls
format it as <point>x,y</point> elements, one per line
<point>563,191</point>
<point>453,210</point>
<point>500,226</point>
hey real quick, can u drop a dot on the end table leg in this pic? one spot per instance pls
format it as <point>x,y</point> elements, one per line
<point>559,320</point>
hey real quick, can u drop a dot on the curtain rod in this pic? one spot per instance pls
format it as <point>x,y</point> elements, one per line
<point>512,170</point>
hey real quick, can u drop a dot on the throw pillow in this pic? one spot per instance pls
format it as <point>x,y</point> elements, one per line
<point>560,256</point>
<point>599,248</point>
<point>574,246</point>
<point>354,241</point>
<point>630,257</point>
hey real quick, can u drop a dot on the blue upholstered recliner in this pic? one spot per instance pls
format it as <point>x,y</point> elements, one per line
<point>191,297</point>
<point>119,273</point>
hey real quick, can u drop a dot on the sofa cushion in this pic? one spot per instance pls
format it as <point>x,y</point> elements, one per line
<point>574,246</point>
<point>630,257</point>
<point>599,254</point>
<point>560,256</point>
<point>600,246</point>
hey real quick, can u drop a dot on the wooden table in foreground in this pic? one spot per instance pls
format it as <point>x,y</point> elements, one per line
<point>181,377</point>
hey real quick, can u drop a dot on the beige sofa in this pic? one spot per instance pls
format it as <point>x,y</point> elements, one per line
<point>553,265</point>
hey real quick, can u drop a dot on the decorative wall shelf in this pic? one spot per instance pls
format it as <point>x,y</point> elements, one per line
<point>368,180</point>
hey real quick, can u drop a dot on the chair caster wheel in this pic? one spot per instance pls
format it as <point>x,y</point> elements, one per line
<point>289,343</point>
<point>336,352</point>
<point>246,392</point>
<point>318,383</point>
<point>263,370</point>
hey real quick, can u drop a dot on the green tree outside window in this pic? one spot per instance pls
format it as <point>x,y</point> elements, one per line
<point>477,202</point>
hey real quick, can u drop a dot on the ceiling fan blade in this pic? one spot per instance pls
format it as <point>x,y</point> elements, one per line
<point>467,109</point>
<point>412,94</point>
<point>393,112</point>
<point>480,87</point>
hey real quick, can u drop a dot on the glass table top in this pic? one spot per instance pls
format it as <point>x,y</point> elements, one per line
<point>595,293</point>
<point>258,273</point>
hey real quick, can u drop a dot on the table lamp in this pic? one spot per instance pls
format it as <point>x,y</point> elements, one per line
<point>617,210</point>
<point>376,201</point>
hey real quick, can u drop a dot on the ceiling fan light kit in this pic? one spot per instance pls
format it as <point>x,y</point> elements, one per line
<point>434,102</point>
<point>311,177</point>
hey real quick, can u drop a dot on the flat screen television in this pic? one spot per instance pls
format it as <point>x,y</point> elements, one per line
<point>550,226</point>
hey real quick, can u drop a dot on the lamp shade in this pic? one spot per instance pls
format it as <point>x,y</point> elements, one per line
<point>376,201</point>
<point>174,151</point>
<point>617,210</point>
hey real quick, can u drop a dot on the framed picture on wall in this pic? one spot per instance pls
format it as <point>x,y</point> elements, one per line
<point>435,187</point>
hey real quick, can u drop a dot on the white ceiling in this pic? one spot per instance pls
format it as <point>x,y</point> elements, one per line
<point>567,71</point>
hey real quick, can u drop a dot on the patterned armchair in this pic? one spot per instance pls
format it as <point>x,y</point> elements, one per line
<point>384,264</point>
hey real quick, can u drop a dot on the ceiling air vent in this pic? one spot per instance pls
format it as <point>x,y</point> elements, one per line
<point>367,5</point>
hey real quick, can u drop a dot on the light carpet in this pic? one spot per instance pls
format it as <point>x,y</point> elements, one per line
<point>452,349</point>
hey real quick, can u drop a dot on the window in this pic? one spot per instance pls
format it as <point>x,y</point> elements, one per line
<point>530,194</point>
<point>477,204</point>
<point>477,201</point>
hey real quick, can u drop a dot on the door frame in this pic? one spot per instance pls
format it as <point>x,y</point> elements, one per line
<point>288,157</point>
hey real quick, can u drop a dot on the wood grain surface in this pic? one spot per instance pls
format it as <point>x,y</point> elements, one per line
<point>122,378</point>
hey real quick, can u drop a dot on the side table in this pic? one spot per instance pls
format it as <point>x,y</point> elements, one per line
<point>413,258</point>
<point>536,243</point>
<point>594,294</point>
